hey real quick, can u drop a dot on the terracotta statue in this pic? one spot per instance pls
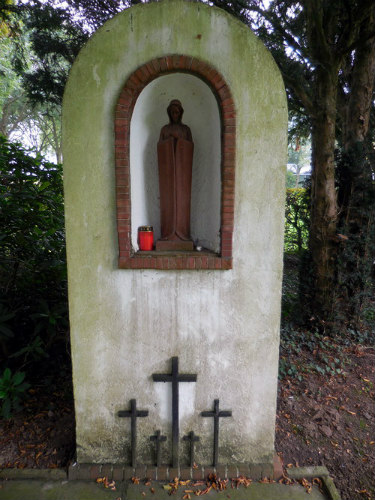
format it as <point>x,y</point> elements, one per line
<point>175,159</point>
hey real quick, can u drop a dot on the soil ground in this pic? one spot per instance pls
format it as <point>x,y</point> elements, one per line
<point>325,415</point>
<point>329,420</point>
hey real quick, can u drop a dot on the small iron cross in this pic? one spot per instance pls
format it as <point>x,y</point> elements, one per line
<point>133,413</point>
<point>175,378</point>
<point>216,414</point>
<point>193,439</point>
<point>158,440</point>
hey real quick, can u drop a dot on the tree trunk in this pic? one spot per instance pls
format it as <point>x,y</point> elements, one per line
<point>363,76</point>
<point>356,188</point>
<point>323,244</point>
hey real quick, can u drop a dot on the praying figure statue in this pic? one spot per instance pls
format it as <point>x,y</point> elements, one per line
<point>175,159</point>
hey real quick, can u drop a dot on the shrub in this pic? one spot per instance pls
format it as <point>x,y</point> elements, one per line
<point>32,251</point>
<point>12,389</point>
<point>297,220</point>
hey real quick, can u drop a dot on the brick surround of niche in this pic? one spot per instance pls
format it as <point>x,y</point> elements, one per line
<point>128,259</point>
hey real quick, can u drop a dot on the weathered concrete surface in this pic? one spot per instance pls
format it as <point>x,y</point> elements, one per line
<point>56,490</point>
<point>126,325</point>
<point>84,490</point>
<point>43,474</point>
<point>256,491</point>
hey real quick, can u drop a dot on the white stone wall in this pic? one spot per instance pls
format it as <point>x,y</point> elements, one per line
<point>127,324</point>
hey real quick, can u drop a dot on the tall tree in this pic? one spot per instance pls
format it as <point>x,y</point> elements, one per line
<point>314,42</point>
<point>356,187</point>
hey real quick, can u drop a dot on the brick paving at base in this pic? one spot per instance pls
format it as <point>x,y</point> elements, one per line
<point>120,472</point>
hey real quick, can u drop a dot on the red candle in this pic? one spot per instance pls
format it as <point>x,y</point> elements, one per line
<point>145,238</point>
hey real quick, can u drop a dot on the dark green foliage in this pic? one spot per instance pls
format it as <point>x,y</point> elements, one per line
<point>304,351</point>
<point>290,180</point>
<point>54,41</point>
<point>297,279</point>
<point>356,257</point>
<point>290,290</point>
<point>94,13</point>
<point>33,298</point>
<point>12,389</point>
<point>297,219</point>
<point>55,35</point>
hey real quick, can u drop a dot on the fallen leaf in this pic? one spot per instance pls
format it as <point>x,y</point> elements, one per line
<point>364,492</point>
<point>347,411</point>
<point>305,483</point>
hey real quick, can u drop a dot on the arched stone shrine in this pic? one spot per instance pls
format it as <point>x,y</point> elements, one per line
<point>175,349</point>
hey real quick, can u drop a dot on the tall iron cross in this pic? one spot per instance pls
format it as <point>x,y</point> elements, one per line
<point>175,378</point>
<point>133,413</point>
<point>216,414</point>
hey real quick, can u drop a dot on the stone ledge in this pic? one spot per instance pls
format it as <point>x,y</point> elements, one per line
<point>319,471</point>
<point>301,472</point>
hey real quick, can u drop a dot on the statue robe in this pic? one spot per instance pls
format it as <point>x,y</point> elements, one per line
<point>175,159</point>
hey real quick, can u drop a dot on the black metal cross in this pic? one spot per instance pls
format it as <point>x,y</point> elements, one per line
<point>158,439</point>
<point>216,414</point>
<point>175,378</point>
<point>133,413</point>
<point>193,439</point>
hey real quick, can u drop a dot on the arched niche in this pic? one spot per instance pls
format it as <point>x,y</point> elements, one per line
<point>201,114</point>
<point>139,114</point>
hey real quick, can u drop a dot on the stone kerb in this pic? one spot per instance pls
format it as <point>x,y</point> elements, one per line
<point>123,113</point>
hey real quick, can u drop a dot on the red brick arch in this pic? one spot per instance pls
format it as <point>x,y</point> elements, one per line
<point>128,259</point>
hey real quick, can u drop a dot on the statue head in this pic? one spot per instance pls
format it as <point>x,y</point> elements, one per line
<point>175,111</point>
